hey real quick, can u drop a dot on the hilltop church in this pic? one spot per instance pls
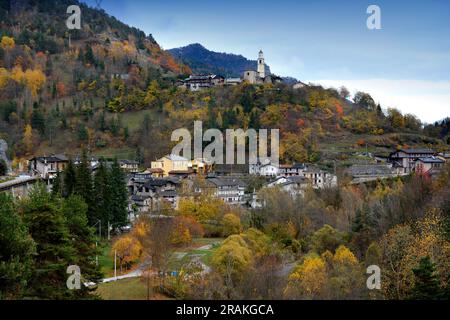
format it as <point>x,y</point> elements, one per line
<point>259,76</point>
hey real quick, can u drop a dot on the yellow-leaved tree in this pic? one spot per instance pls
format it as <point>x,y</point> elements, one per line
<point>28,138</point>
<point>231,224</point>
<point>4,76</point>
<point>346,278</point>
<point>7,43</point>
<point>34,79</point>
<point>233,259</point>
<point>128,250</point>
<point>309,279</point>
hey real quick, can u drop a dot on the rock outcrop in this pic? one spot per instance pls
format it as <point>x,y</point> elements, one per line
<point>3,148</point>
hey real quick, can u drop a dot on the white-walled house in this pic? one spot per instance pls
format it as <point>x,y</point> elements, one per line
<point>264,167</point>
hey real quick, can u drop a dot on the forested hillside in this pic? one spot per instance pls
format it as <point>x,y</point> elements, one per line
<point>112,90</point>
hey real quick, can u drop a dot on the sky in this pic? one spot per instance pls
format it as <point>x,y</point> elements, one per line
<point>405,64</point>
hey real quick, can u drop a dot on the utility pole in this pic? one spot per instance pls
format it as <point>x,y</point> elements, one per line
<point>115,265</point>
<point>99,239</point>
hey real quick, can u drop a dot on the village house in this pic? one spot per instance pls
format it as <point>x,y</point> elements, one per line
<point>264,168</point>
<point>294,185</point>
<point>199,82</point>
<point>47,167</point>
<point>430,165</point>
<point>319,178</point>
<point>129,165</point>
<point>405,158</point>
<point>151,195</point>
<point>170,165</point>
<point>93,162</point>
<point>201,166</point>
<point>370,172</point>
<point>231,169</point>
<point>233,81</point>
<point>296,169</point>
<point>230,189</point>
<point>444,156</point>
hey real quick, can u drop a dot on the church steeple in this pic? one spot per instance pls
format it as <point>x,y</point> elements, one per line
<point>261,65</point>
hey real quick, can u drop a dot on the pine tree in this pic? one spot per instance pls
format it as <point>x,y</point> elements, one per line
<point>426,286</point>
<point>57,187</point>
<point>82,239</point>
<point>83,186</point>
<point>47,227</point>
<point>102,196</point>
<point>89,55</point>
<point>69,179</point>
<point>16,251</point>
<point>119,196</point>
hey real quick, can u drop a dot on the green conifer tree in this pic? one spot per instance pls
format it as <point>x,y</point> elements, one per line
<point>426,285</point>
<point>119,196</point>
<point>16,251</point>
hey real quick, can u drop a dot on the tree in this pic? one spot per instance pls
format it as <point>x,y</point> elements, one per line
<point>83,184</point>
<point>69,179</point>
<point>346,278</point>
<point>89,55</point>
<point>34,79</point>
<point>47,227</point>
<point>83,134</point>
<point>181,235</point>
<point>364,100</point>
<point>426,281</point>
<point>3,168</point>
<point>128,250</point>
<point>233,259</point>
<point>17,250</point>
<point>153,93</point>
<point>231,224</point>
<point>38,120</point>
<point>309,279</point>
<point>57,187</point>
<point>395,118</point>
<point>343,92</point>
<point>28,139</point>
<point>102,196</point>
<point>82,239</point>
<point>118,196</point>
<point>326,238</point>
<point>7,43</point>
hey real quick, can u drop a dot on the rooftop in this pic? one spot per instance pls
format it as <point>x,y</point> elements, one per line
<point>409,151</point>
<point>52,158</point>
<point>431,160</point>
<point>369,170</point>
<point>226,181</point>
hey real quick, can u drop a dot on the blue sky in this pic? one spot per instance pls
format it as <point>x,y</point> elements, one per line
<point>406,64</point>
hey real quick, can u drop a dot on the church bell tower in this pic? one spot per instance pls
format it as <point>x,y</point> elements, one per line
<point>261,65</point>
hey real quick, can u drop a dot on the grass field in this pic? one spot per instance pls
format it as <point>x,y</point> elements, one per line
<point>133,120</point>
<point>127,289</point>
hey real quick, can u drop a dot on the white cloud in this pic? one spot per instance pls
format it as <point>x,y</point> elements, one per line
<point>428,100</point>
